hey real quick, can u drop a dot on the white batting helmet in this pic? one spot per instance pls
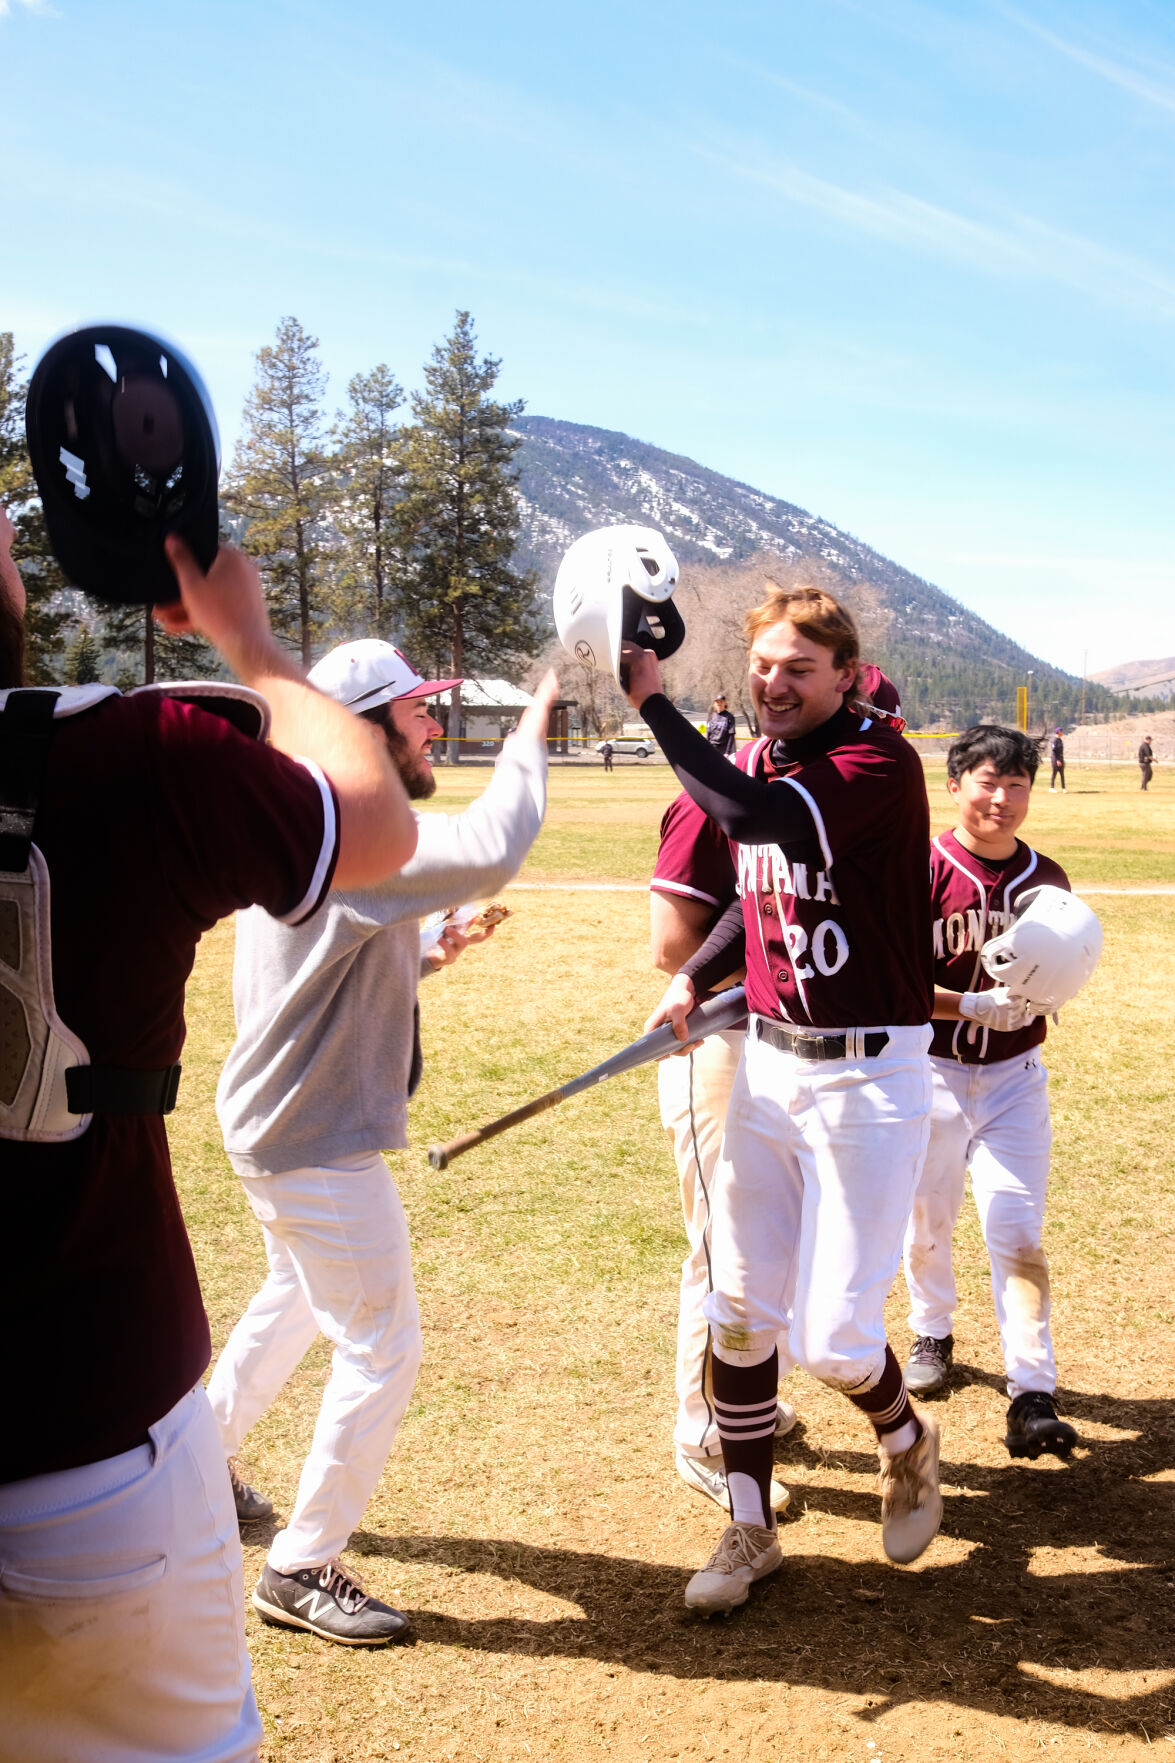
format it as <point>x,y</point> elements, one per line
<point>1049,951</point>
<point>616,585</point>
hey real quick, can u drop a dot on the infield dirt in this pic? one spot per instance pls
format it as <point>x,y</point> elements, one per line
<point>530,1519</point>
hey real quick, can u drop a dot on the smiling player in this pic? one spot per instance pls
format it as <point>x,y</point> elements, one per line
<point>990,1110</point>
<point>827,1123</point>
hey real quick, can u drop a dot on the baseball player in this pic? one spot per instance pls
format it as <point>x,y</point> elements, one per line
<point>828,1118</point>
<point>1058,762</point>
<point>693,882</point>
<point>326,1058</point>
<point>990,1111</point>
<point>720,727</point>
<point>122,1620</point>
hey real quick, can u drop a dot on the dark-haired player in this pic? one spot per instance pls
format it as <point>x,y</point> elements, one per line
<point>990,1112</point>
<point>828,1118</point>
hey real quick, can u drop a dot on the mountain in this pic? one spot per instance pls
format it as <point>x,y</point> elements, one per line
<point>1154,678</point>
<point>950,664</point>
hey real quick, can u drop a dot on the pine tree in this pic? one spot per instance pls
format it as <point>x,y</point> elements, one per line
<point>46,613</point>
<point>279,482</point>
<point>366,471</point>
<point>461,606</point>
<point>148,653</point>
<point>83,659</point>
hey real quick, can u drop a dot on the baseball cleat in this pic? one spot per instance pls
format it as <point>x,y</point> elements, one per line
<point>1034,1426</point>
<point>707,1475</point>
<point>785,1419</point>
<point>249,1503</point>
<point>329,1601</point>
<point>911,1505</point>
<point>929,1364</point>
<point>745,1553</point>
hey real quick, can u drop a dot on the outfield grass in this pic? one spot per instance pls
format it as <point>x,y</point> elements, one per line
<point>600,826</point>
<point>530,1519</point>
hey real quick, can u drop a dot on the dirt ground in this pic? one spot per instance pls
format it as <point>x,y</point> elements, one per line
<point>530,1520</point>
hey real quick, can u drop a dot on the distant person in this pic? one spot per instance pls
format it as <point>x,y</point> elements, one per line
<point>1058,755</point>
<point>606,755</point>
<point>1146,760</point>
<point>720,727</point>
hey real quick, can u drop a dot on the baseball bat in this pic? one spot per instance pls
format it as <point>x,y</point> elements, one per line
<point>707,1019</point>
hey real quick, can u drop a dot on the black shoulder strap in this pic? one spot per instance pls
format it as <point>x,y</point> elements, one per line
<point>26,727</point>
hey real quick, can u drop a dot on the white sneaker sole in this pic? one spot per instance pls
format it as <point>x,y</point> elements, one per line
<point>284,1619</point>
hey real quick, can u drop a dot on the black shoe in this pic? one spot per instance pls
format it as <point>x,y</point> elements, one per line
<point>929,1364</point>
<point>1033,1427</point>
<point>329,1601</point>
<point>249,1503</point>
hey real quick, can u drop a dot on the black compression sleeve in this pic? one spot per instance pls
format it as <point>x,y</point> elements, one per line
<point>722,953</point>
<point>748,809</point>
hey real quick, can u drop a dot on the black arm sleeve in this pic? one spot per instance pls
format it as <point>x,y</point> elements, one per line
<point>749,810</point>
<point>722,953</point>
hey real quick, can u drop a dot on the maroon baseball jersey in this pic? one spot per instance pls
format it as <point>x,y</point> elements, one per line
<point>838,927</point>
<point>694,856</point>
<point>156,819</point>
<point>973,900</point>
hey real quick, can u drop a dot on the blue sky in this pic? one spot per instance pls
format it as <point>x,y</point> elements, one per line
<point>907,263</point>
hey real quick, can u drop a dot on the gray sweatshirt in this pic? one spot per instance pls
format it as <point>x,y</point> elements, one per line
<point>325,1010</point>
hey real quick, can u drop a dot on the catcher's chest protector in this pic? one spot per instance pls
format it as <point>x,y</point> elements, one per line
<point>37,1049</point>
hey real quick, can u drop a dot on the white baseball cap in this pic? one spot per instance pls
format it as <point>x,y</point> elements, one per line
<point>365,674</point>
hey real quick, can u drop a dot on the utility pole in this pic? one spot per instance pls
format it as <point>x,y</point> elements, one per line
<point>1084,667</point>
<point>1028,700</point>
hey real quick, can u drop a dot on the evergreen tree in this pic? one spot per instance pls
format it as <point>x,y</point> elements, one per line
<point>83,659</point>
<point>461,606</point>
<point>279,483</point>
<point>47,611</point>
<point>147,653</point>
<point>366,472</point>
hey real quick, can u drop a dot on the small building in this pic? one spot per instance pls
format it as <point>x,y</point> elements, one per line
<point>490,708</point>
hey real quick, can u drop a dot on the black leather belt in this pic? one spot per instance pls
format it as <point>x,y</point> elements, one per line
<point>817,1046</point>
<point>105,1089</point>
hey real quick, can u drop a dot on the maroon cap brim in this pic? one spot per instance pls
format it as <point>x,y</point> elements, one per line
<point>430,688</point>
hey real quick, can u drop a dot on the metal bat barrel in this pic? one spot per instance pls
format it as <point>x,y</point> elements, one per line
<point>717,1013</point>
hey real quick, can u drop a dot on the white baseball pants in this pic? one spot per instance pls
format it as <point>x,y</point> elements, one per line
<point>694,1091</point>
<point>818,1171</point>
<point>994,1120</point>
<point>122,1607</point>
<point>339,1265</point>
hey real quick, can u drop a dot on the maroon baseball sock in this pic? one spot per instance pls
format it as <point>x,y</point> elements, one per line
<point>745,1403</point>
<point>887,1405</point>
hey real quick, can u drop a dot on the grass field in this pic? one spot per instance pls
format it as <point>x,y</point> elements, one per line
<point>530,1518</point>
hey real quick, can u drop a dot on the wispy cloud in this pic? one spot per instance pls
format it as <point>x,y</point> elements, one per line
<point>1161,96</point>
<point>1011,244</point>
<point>42,6</point>
<point>806,94</point>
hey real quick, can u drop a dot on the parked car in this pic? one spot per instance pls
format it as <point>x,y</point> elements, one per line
<point>641,746</point>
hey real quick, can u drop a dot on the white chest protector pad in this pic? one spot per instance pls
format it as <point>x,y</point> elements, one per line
<point>37,1049</point>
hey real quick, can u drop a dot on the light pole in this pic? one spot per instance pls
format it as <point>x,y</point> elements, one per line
<point>1028,701</point>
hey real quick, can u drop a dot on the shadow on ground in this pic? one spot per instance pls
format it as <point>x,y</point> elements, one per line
<point>984,1632</point>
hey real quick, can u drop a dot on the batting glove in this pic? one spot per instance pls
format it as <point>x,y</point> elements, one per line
<point>997,1009</point>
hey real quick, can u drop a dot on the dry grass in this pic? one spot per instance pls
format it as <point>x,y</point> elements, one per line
<point>530,1518</point>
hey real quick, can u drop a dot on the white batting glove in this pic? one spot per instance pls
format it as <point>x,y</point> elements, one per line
<point>997,1009</point>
